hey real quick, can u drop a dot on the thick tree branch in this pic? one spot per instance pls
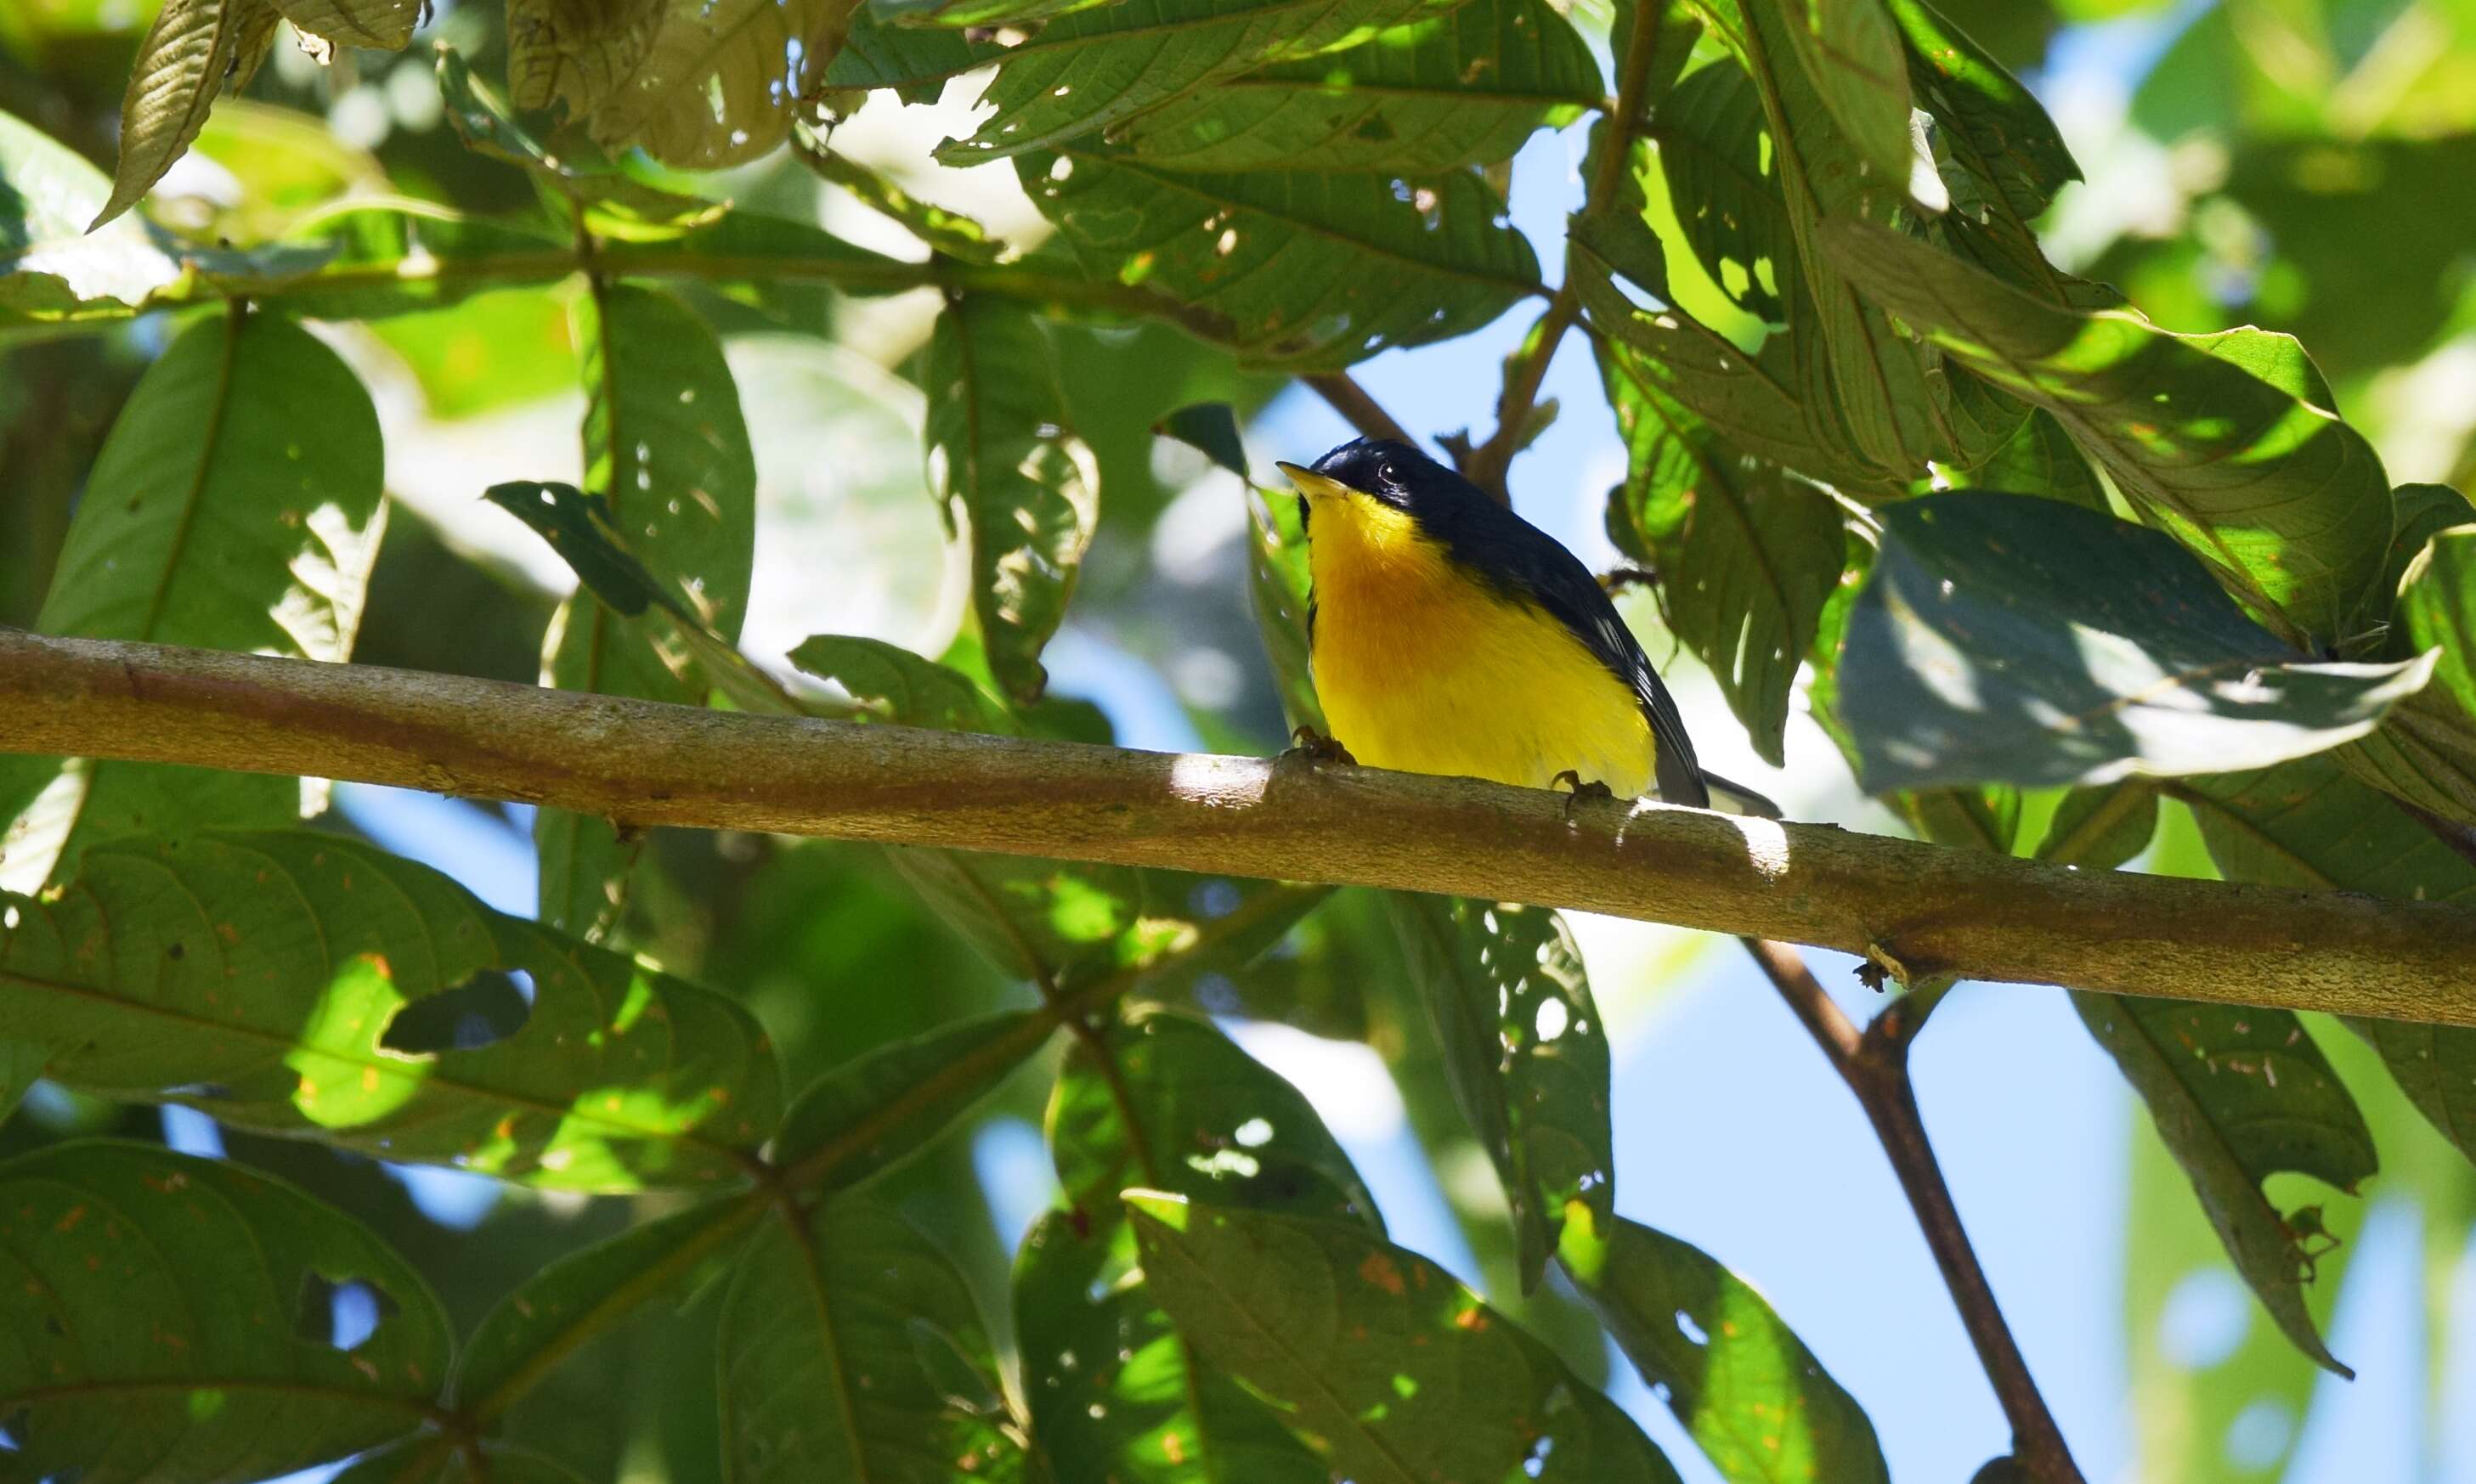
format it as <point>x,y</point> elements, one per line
<point>1355,406</point>
<point>1918,908</point>
<point>1874,1063</point>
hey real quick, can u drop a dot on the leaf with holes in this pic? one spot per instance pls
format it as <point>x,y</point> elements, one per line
<point>381,25</point>
<point>1712,143</point>
<point>234,506</point>
<point>1738,1379</point>
<point>1299,270</point>
<point>849,1344</point>
<point>2002,638</point>
<point>310,986</point>
<point>1086,71</point>
<point>1526,1054</point>
<point>576,52</point>
<point>1001,454</point>
<point>1443,91</point>
<point>2309,825</point>
<point>706,85</point>
<point>1390,1369</point>
<point>194,50</point>
<point>1747,554</point>
<point>666,450</point>
<point>1161,1100</point>
<point>178,1319</point>
<point>2227,442</point>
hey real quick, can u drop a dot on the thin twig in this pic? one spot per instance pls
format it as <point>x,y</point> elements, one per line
<point>1355,406</point>
<point>1925,907</point>
<point>1874,1064</point>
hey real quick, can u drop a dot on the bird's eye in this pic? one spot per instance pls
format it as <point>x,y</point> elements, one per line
<point>1389,472</point>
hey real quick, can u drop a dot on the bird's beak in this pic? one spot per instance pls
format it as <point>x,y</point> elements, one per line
<point>1312,483</point>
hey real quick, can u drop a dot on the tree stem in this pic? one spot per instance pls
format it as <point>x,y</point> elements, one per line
<point>1874,1064</point>
<point>1929,910</point>
<point>1357,408</point>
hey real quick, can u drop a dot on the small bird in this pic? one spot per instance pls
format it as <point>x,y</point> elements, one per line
<point>1448,634</point>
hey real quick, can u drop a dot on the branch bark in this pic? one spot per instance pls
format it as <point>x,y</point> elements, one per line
<point>1874,1063</point>
<point>1916,908</point>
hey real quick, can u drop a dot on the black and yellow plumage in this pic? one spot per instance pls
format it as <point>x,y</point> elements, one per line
<point>1449,635</point>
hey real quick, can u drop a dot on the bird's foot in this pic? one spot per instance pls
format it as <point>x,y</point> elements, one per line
<point>1314,747</point>
<point>1593,789</point>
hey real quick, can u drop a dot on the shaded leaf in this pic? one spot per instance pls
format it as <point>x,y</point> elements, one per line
<point>586,1292</point>
<point>2239,1095</point>
<point>382,25</point>
<point>1210,428</point>
<point>2437,610</point>
<point>576,52</point>
<point>2008,639</point>
<point>709,85</point>
<point>1302,269</point>
<point>844,1335</point>
<point>192,51</point>
<point>1384,1365</point>
<point>1526,1054</point>
<point>2100,828</point>
<point>951,232</point>
<point>310,986</point>
<point>2007,137</point>
<point>1713,145</point>
<point>1095,67</point>
<point>1755,1398</point>
<point>21,1063</point>
<point>235,505</point>
<point>1853,57</point>
<point>2039,459</point>
<point>1001,456</point>
<point>1747,554</point>
<point>2226,442</point>
<point>614,201</point>
<point>1442,91</point>
<point>171,1319</point>
<point>2424,512</point>
<point>499,1464</point>
<point>892,684</point>
<point>1279,589</point>
<point>666,450</point>
<point>877,1110</point>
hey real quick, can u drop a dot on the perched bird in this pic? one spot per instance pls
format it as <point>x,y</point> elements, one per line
<point>1448,634</point>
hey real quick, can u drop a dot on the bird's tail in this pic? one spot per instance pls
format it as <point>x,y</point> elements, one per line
<point>1736,798</point>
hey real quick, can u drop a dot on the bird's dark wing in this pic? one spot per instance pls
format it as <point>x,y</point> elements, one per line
<point>1536,565</point>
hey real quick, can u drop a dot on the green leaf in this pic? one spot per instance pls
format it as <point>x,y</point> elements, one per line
<point>192,51</point>
<point>310,986</point>
<point>1210,428</point>
<point>2309,824</point>
<point>951,232</point>
<point>2009,639</point>
<point>1389,1369</point>
<point>891,683</point>
<point>2039,459</point>
<point>588,1291</point>
<point>1755,1398</point>
<point>1001,456</point>
<point>498,1464</point>
<point>667,451</point>
<point>380,259</point>
<point>1088,70</point>
<point>172,1320</point>
<point>1160,1099</point>
<point>1712,143</point>
<point>22,1064</point>
<point>2226,442</point>
<point>2437,610</point>
<point>707,86</point>
<point>847,1342</point>
<point>613,199</point>
<point>382,25</point>
<point>48,258</point>
<point>1278,587</point>
<point>1747,554</point>
<point>2239,1095</point>
<point>1526,1053</point>
<point>1853,58</point>
<point>1440,93</point>
<point>914,62</point>
<point>2004,133</point>
<point>235,505</point>
<point>2424,512</point>
<point>1363,263</point>
<point>2100,828</point>
<point>576,52</point>
<point>873,1113</point>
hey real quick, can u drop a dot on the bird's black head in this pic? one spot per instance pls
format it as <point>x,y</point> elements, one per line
<point>1395,474</point>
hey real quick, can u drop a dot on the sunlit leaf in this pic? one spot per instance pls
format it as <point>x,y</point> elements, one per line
<point>708,84</point>
<point>234,506</point>
<point>2041,460</point>
<point>1386,1367</point>
<point>1755,1398</point>
<point>172,1317</point>
<point>851,1347</point>
<point>1526,1053</point>
<point>194,48</point>
<point>2426,752</point>
<point>1001,456</point>
<point>311,986</point>
<point>2227,442</point>
<point>666,450</point>
<point>897,686</point>
<point>382,25</point>
<point>589,1291</point>
<point>1445,90</point>
<point>48,258</point>
<point>2008,639</point>
<point>1746,554</point>
<point>1853,59</point>
<point>1280,591</point>
<point>1088,70</point>
<point>1710,143</point>
<point>576,52</point>
<point>951,232</point>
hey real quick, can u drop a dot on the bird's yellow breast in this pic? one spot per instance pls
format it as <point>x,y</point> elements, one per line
<point>1422,667</point>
